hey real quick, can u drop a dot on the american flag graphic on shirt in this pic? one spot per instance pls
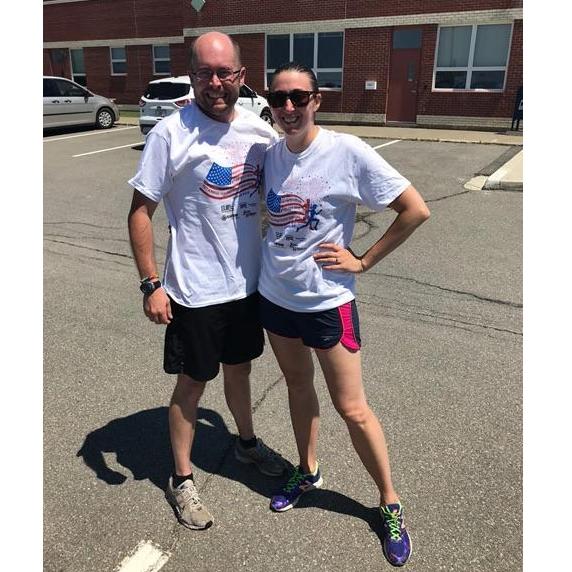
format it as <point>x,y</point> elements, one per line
<point>287,209</point>
<point>225,182</point>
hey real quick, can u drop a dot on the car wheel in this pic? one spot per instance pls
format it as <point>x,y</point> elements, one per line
<point>104,118</point>
<point>266,115</point>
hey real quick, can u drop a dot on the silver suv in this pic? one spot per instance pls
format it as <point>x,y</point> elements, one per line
<point>164,96</point>
<point>67,103</point>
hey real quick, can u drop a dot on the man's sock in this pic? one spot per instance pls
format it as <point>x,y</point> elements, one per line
<point>178,480</point>
<point>249,443</point>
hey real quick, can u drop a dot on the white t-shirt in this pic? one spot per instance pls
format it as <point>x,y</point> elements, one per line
<point>311,198</point>
<point>208,174</point>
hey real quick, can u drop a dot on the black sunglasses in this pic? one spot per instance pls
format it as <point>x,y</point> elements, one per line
<point>298,97</point>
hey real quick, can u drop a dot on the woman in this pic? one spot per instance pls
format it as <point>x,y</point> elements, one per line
<point>314,179</point>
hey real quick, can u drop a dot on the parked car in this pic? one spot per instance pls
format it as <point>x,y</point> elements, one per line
<point>164,96</point>
<point>67,103</point>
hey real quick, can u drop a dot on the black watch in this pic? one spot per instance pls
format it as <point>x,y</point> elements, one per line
<point>148,287</point>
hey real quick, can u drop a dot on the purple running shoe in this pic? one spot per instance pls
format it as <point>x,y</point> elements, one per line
<point>396,541</point>
<point>298,484</point>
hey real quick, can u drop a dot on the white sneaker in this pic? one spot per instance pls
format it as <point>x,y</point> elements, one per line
<point>187,506</point>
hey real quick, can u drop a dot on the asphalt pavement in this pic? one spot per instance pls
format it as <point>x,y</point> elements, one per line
<point>441,324</point>
<point>508,177</point>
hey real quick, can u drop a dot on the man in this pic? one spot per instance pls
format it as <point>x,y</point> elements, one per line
<point>205,163</point>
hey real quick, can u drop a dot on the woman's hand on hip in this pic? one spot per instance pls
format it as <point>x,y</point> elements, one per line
<point>334,257</point>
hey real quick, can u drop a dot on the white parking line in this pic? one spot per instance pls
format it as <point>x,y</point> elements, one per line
<point>147,557</point>
<point>386,144</point>
<point>109,149</point>
<point>103,132</point>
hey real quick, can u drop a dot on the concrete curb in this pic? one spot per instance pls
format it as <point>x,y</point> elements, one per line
<point>515,186</point>
<point>508,177</point>
<point>476,183</point>
<point>447,140</point>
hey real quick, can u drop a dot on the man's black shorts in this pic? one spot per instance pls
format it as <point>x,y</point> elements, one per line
<point>198,340</point>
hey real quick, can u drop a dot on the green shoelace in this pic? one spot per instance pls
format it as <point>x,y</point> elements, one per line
<point>294,480</point>
<point>392,519</point>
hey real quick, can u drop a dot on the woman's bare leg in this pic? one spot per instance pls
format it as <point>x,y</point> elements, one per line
<point>295,361</point>
<point>342,370</point>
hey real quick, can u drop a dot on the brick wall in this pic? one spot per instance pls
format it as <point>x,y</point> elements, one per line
<point>179,59</point>
<point>110,19</point>
<point>472,104</point>
<point>366,50</point>
<point>369,8</point>
<point>252,54</point>
<point>215,13</point>
<point>57,62</point>
<point>375,42</point>
<point>125,88</point>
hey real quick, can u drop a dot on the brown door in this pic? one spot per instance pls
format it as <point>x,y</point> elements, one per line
<point>403,74</point>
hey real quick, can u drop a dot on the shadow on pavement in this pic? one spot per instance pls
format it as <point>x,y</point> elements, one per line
<point>48,131</point>
<point>141,444</point>
<point>337,502</point>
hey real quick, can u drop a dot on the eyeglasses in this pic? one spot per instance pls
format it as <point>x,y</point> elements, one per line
<point>298,97</point>
<point>223,74</point>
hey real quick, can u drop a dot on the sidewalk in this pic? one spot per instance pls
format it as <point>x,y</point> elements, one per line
<point>507,177</point>
<point>423,134</point>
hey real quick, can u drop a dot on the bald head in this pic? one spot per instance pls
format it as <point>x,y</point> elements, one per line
<point>213,41</point>
<point>213,54</point>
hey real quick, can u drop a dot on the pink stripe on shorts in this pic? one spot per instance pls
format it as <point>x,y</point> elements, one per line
<point>348,338</point>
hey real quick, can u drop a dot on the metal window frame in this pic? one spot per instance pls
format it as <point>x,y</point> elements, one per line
<point>470,68</point>
<point>315,67</point>
<point>155,60</point>
<point>73,73</point>
<point>112,60</point>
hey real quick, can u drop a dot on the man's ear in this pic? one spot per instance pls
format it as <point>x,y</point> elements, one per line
<point>242,75</point>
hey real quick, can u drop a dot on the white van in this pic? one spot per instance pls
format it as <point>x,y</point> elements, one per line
<point>164,96</point>
<point>67,103</point>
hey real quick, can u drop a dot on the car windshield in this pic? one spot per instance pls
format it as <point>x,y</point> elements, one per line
<point>167,90</point>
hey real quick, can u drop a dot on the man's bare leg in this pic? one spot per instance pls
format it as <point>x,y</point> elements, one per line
<point>182,421</point>
<point>237,394</point>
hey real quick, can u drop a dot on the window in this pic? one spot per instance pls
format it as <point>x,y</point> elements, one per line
<point>50,88</point>
<point>407,39</point>
<point>168,90</point>
<point>322,52</point>
<point>118,61</point>
<point>161,60</point>
<point>245,91</point>
<point>69,89</point>
<point>472,57</point>
<point>77,67</point>
<point>54,87</point>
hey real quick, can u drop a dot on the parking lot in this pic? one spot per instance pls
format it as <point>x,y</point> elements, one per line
<point>441,323</point>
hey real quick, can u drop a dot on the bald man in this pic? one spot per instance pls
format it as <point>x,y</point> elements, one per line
<point>205,163</point>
